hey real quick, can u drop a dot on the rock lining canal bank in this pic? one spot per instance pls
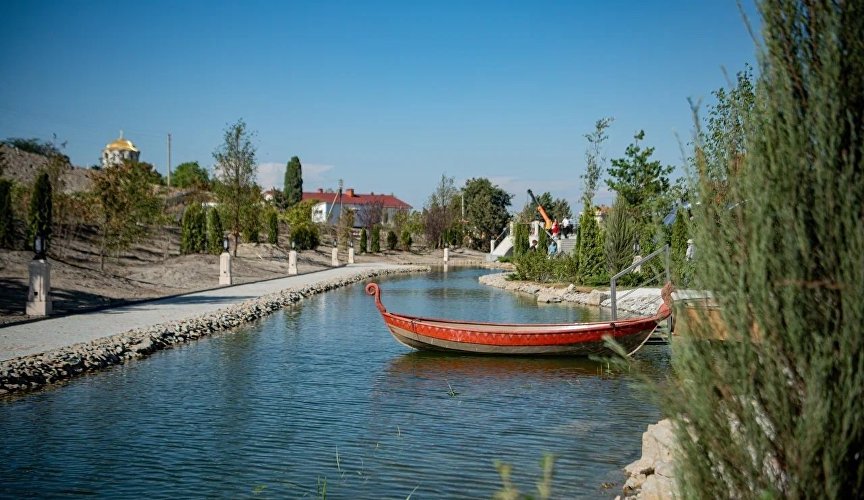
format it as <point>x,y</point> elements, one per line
<point>33,372</point>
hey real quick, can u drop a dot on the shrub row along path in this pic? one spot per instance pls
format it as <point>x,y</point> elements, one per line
<point>27,339</point>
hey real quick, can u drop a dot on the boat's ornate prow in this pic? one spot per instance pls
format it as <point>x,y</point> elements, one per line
<point>375,290</point>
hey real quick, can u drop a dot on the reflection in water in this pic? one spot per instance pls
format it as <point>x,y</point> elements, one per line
<point>321,391</point>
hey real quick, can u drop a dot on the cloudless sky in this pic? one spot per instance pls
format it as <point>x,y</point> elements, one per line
<point>386,95</point>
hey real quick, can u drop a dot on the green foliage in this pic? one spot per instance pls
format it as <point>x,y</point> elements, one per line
<point>376,239</point>
<point>251,220</point>
<point>392,240</point>
<point>7,220</point>
<point>41,209</point>
<point>638,179</point>
<point>363,242</point>
<point>272,227</point>
<point>235,178</point>
<point>293,182</point>
<point>520,235</point>
<point>405,240</point>
<point>215,233</point>
<point>775,411</point>
<point>36,146</point>
<point>190,175</point>
<point>485,210</point>
<point>300,214</point>
<point>590,248</point>
<point>595,162</point>
<point>620,237</point>
<point>678,244</point>
<point>535,266</point>
<point>509,491</point>
<point>305,236</point>
<point>193,232</point>
<point>127,205</point>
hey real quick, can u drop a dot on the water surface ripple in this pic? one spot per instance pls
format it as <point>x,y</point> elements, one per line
<point>320,395</point>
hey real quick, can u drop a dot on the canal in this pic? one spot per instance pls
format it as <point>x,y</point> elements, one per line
<point>319,400</point>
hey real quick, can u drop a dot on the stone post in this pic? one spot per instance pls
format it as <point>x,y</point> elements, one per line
<point>446,255</point>
<point>351,255</point>
<point>39,291</point>
<point>225,269</point>
<point>492,245</point>
<point>292,262</point>
<point>334,259</point>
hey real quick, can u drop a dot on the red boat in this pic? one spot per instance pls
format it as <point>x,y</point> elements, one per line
<point>551,339</point>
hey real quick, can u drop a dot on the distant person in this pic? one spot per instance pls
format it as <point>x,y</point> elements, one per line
<point>555,229</point>
<point>566,227</point>
<point>533,246</point>
<point>552,249</point>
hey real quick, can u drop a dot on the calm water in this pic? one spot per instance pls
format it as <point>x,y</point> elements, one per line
<point>320,395</point>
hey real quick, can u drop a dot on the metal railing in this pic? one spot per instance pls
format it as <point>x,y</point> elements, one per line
<point>613,282</point>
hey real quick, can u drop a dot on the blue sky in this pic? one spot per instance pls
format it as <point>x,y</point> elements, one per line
<point>388,96</point>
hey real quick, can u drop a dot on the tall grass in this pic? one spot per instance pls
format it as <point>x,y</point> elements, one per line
<point>777,411</point>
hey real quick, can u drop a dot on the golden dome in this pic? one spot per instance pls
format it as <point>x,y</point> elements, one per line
<point>121,144</point>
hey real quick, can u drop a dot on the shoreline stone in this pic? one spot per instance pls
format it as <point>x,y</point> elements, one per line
<point>34,372</point>
<point>644,303</point>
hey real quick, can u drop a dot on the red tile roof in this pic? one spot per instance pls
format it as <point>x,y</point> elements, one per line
<point>349,197</point>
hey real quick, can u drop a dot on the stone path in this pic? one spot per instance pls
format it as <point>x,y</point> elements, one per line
<point>26,339</point>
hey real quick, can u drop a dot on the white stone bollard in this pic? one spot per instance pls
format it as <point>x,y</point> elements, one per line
<point>292,262</point>
<point>225,269</point>
<point>492,245</point>
<point>351,255</point>
<point>446,255</point>
<point>334,259</point>
<point>39,291</point>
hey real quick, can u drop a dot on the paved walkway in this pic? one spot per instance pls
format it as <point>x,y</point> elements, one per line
<point>53,333</point>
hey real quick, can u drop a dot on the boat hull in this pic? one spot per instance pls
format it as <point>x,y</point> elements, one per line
<point>565,339</point>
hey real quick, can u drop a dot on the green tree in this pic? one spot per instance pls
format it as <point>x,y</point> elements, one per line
<point>127,205</point>
<point>678,243</point>
<point>293,182</point>
<point>485,210</point>
<point>392,240</point>
<point>376,239</point>
<point>250,218</point>
<point>305,236</point>
<point>590,250</point>
<point>775,411</point>
<point>595,162</point>
<point>363,241</point>
<point>215,233</point>
<point>405,240</point>
<point>190,175</point>
<point>193,232</point>
<point>637,178</point>
<point>41,208</point>
<point>235,175</point>
<point>7,220</point>
<point>272,227</point>
<point>620,237</point>
<point>520,239</point>
<point>346,227</point>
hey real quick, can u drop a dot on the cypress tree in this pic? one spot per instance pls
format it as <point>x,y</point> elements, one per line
<point>592,260</point>
<point>679,242</point>
<point>214,232</point>
<point>407,241</point>
<point>363,241</point>
<point>7,226</point>
<point>293,182</point>
<point>392,240</point>
<point>41,206</point>
<point>376,239</point>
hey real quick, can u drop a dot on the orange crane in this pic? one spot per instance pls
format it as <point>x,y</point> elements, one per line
<point>542,211</point>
